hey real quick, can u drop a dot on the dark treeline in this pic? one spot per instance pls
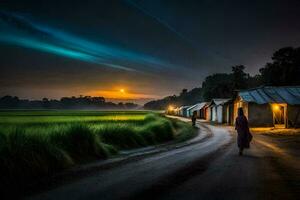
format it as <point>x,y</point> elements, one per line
<point>284,70</point>
<point>184,98</point>
<point>81,102</point>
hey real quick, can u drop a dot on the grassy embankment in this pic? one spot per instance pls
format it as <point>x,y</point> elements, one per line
<point>40,143</point>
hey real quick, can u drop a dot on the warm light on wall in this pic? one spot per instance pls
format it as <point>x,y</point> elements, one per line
<point>171,108</point>
<point>275,107</point>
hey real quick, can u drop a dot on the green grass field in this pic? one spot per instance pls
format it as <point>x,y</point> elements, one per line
<point>39,143</point>
<point>42,117</point>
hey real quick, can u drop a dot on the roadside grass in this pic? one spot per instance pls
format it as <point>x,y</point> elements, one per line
<point>184,132</point>
<point>31,151</point>
<point>80,142</point>
<point>26,157</point>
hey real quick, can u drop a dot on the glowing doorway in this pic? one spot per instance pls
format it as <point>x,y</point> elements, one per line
<point>279,115</point>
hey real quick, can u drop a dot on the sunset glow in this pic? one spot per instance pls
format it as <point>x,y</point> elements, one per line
<point>121,94</point>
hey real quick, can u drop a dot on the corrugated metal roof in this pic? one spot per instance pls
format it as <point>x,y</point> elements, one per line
<point>220,101</point>
<point>262,95</point>
<point>184,107</point>
<point>197,106</point>
<point>191,107</point>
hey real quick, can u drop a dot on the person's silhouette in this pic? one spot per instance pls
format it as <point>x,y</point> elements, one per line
<point>194,117</point>
<point>244,136</point>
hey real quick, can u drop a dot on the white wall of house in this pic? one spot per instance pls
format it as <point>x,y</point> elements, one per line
<point>180,112</point>
<point>214,114</point>
<point>219,114</point>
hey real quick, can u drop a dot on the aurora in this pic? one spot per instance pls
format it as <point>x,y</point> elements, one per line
<point>38,45</point>
<point>30,34</point>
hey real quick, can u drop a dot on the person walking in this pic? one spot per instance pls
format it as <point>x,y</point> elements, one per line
<point>244,136</point>
<point>194,117</point>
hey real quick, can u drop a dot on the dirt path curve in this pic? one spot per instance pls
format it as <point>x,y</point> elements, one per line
<point>210,169</point>
<point>134,178</point>
<point>269,170</point>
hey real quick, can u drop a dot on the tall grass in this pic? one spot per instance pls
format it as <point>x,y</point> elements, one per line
<point>121,136</point>
<point>184,131</point>
<point>80,142</point>
<point>30,152</point>
<point>125,136</point>
<point>157,131</point>
<point>25,157</point>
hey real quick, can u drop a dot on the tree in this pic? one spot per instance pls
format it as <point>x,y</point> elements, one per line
<point>183,92</point>
<point>254,81</point>
<point>185,98</point>
<point>46,103</point>
<point>9,102</point>
<point>217,86</point>
<point>239,77</point>
<point>285,68</point>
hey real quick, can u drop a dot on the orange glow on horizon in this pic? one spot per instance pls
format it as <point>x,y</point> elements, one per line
<point>120,94</point>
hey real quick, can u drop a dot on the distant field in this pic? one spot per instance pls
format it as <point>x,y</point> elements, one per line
<point>42,117</point>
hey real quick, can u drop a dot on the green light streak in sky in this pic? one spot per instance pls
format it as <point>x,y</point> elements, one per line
<point>42,46</point>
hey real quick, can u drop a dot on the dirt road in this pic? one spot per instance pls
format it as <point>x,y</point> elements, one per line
<point>207,169</point>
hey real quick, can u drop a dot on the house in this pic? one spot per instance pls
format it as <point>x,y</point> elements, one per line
<point>179,111</point>
<point>183,111</point>
<point>220,110</point>
<point>190,110</point>
<point>176,111</point>
<point>206,112</point>
<point>199,109</point>
<point>270,106</point>
<point>202,110</point>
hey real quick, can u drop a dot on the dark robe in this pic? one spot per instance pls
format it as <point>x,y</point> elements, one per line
<point>244,136</point>
<point>194,118</point>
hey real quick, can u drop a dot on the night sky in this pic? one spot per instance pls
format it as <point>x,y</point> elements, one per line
<point>149,48</point>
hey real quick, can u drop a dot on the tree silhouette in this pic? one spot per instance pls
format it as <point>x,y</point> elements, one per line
<point>285,68</point>
<point>239,77</point>
<point>9,102</point>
